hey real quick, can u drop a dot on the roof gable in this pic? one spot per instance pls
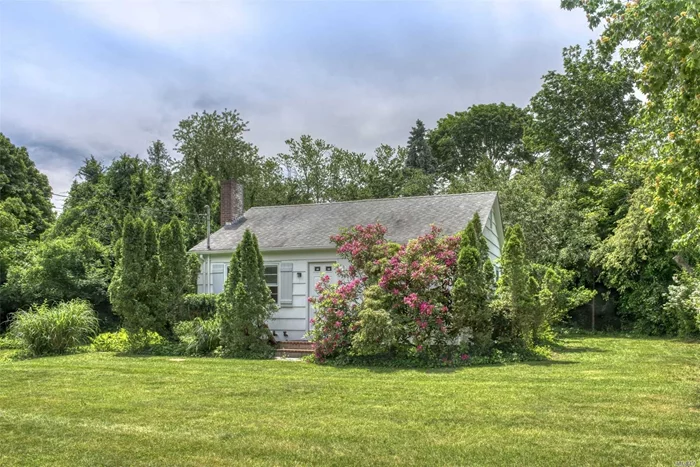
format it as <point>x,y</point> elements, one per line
<point>310,226</point>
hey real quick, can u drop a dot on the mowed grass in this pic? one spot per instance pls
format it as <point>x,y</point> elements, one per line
<point>600,401</point>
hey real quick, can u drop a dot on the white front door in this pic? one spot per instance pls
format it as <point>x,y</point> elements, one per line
<point>316,272</point>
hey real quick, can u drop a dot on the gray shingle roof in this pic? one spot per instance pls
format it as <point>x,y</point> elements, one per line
<point>311,225</point>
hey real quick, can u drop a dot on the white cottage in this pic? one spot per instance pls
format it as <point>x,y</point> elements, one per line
<point>295,241</point>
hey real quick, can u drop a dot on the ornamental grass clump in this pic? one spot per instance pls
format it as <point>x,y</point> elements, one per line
<point>46,330</point>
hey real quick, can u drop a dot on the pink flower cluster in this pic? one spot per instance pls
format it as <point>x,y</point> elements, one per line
<point>333,323</point>
<point>417,278</point>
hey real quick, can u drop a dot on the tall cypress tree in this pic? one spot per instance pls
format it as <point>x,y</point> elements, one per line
<point>135,291</point>
<point>516,291</point>
<point>160,192</point>
<point>124,289</point>
<point>151,293</point>
<point>472,288</point>
<point>246,303</point>
<point>418,154</point>
<point>174,273</point>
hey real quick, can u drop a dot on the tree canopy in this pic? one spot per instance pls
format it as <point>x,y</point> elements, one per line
<point>600,171</point>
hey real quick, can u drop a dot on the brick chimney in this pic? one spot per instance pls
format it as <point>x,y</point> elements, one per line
<point>231,201</point>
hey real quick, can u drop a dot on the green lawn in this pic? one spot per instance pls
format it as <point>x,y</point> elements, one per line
<point>600,401</point>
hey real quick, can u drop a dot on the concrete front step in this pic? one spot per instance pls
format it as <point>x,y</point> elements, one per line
<point>294,345</point>
<point>294,349</point>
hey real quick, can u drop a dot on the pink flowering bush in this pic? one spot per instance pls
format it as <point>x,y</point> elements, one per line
<point>419,277</point>
<point>431,299</point>
<point>336,312</point>
<point>365,247</point>
<point>414,280</point>
<point>337,305</point>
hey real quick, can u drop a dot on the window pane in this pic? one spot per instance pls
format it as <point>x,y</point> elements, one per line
<point>271,280</point>
<point>271,269</point>
<point>271,275</point>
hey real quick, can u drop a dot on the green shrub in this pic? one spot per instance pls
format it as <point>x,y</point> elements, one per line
<point>198,305</point>
<point>684,303</point>
<point>45,329</point>
<point>121,341</point>
<point>9,341</point>
<point>375,332</point>
<point>111,342</point>
<point>199,336</point>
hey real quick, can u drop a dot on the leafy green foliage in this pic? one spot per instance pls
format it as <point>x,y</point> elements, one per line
<point>635,260</point>
<point>246,303</point>
<point>45,330</point>
<point>57,270</point>
<point>20,180</point>
<point>198,305</point>
<point>492,132</point>
<point>104,197</point>
<point>199,191</point>
<point>684,303</point>
<point>200,336</point>
<point>582,116</point>
<point>375,331</point>
<point>160,183</point>
<point>663,40</point>
<point>123,342</point>
<point>558,295</point>
<point>213,142</point>
<point>307,166</point>
<point>111,342</point>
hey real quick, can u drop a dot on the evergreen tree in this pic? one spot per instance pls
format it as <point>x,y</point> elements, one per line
<point>135,291</point>
<point>160,192</point>
<point>126,282</point>
<point>246,303</point>
<point>174,273</point>
<point>419,155</point>
<point>516,292</point>
<point>151,293</point>
<point>472,288</point>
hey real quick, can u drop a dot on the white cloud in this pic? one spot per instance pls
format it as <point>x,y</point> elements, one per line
<point>170,23</point>
<point>354,91</point>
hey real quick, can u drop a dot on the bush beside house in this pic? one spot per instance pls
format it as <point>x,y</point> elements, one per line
<point>434,298</point>
<point>246,304</point>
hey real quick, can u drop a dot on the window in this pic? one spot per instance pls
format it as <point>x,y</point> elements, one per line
<point>271,280</point>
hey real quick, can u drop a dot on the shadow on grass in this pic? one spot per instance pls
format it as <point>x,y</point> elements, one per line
<point>548,362</point>
<point>577,335</point>
<point>564,349</point>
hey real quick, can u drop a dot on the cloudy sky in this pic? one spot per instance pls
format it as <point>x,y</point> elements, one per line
<point>106,77</point>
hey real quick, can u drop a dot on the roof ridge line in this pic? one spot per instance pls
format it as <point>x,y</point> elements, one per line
<point>443,195</point>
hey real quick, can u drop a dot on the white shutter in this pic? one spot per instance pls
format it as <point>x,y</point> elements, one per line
<point>286,283</point>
